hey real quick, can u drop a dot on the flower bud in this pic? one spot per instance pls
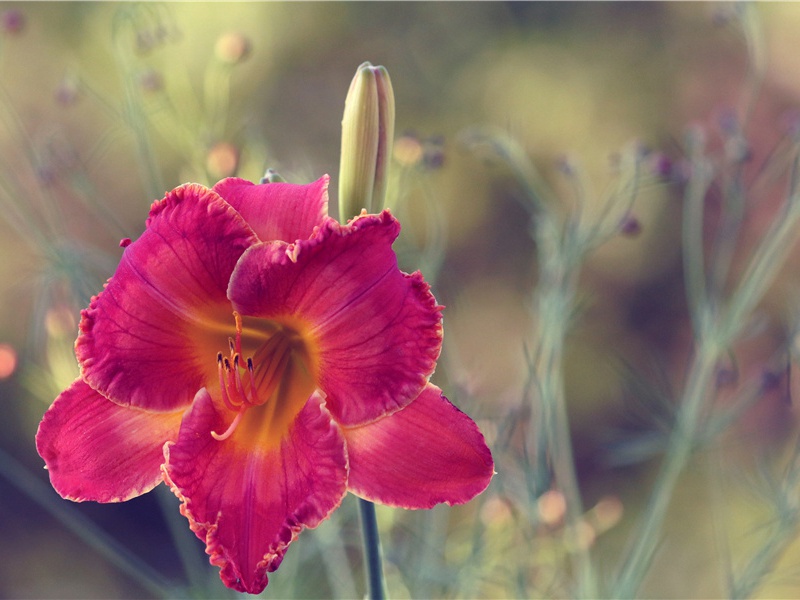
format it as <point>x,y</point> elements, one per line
<point>367,137</point>
<point>272,176</point>
<point>12,21</point>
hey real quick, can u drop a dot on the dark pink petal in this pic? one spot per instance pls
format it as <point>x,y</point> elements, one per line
<point>278,211</point>
<point>248,503</point>
<point>427,453</point>
<point>150,339</point>
<point>373,332</point>
<point>97,450</point>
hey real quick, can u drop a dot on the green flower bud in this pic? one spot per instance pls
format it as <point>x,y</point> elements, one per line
<point>272,176</point>
<point>367,137</point>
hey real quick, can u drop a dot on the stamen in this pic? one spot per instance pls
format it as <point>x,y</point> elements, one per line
<point>254,399</point>
<point>225,398</point>
<point>273,357</point>
<point>231,428</point>
<point>237,379</point>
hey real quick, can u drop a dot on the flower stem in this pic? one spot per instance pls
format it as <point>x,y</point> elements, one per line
<point>372,550</point>
<point>554,302</point>
<point>647,538</point>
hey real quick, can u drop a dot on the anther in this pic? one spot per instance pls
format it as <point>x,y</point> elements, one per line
<point>237,379</point>
<point>222,384</point>
<point>254,399</point>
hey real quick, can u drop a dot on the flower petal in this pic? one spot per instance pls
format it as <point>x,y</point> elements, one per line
<point>374,332</point>
<point>248,503</point>
<point>97,450</point>
<point>150,339</point>
<point>278,211</point>
<point>427,453</point>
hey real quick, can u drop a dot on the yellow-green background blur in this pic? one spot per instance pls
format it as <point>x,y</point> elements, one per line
<point>563,79</point>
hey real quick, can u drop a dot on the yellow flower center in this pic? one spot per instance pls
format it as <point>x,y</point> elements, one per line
<point>266,380</point>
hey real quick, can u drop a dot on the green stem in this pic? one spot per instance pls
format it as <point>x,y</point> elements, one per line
<point>372,551</point>
<point>764,561</point>
<point>114,552</point>
<point>184,540</point>
<point>554,302</point>
<point>640,553</point>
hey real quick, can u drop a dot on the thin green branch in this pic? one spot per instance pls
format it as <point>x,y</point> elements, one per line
<point>85,529</point>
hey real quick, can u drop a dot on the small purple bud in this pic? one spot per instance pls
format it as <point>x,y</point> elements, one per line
<point>564,164</point>
<point>728,122</point>
<point>66,93</point>
<point>681,171</point>
<point>630,226</point>
<point>151,81</point>
<point>433,152</point>
<point>722,16</point>
<point>12,21</point>
<point>124,242</point>
<point>661,166</point>
<point>46,175</point>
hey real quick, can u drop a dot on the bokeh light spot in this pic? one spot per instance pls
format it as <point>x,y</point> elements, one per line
<point>8,361</point>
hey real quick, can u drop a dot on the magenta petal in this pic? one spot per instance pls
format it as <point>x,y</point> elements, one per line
<point>427,453</point>
<point>146,339</point>
<point>373,331</point>
<point>278,211</point>
<point>249,503</point>
<point>97,450</point>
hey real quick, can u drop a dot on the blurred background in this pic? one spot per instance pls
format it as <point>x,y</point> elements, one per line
<point>106,106</point>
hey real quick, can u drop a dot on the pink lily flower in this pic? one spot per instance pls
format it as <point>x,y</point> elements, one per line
<point>263,360</point>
